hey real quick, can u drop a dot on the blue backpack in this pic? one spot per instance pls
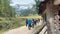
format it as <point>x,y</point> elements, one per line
<point>29,22</point>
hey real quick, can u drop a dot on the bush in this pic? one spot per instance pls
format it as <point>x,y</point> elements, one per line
<point>14,23</point>
<point>0,19</point>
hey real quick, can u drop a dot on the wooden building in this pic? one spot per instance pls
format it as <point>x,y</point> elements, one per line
<point>51,9</point>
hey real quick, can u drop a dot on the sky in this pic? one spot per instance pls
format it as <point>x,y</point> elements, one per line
<point>21,2</point>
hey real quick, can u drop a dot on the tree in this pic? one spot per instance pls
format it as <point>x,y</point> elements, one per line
<point>40,6</point>
<point>6,9</point>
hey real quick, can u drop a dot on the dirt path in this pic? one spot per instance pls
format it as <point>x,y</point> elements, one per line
<point>21,30</point>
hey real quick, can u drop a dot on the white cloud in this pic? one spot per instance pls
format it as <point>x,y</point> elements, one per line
<point>23,7</point>
<point>23,2</point>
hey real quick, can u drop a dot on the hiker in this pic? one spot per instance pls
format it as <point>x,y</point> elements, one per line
<point>33,23</point>
<point>38,20</point>
<point>29,24</point>
<point>26,22</point>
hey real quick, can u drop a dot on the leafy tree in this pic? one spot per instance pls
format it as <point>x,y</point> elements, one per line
<point>6,10</point>
<point>41,5</point>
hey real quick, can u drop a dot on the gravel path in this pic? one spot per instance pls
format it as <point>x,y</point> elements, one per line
<point>21,30</point>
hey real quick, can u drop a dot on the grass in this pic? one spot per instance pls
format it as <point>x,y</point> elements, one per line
<point>2,31</point>
<point>30,17</point>
<point>19,22</point>
<point>15,26</point>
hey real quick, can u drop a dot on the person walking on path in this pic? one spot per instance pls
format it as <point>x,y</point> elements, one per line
<point>26,22</point>
<point>33,23</point>
<point>29,24</point>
